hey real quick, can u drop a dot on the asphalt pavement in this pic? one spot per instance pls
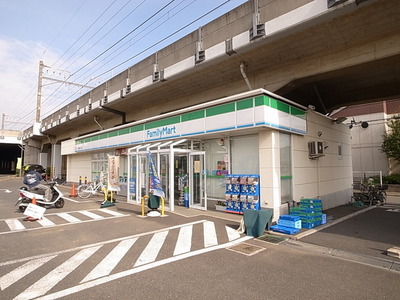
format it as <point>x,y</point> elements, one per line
<point>362,234</point>
<point>325,262</point>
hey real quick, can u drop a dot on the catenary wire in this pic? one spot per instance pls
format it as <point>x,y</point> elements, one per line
<point>148,48</point>
<point>153,45</point>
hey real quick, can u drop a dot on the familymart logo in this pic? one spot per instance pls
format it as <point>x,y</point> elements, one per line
<point>161,132</point>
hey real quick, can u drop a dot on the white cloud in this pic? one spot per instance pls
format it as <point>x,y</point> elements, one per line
<point>19,67</point>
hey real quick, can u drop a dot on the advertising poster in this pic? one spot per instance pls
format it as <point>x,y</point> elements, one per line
<point>113,173</point>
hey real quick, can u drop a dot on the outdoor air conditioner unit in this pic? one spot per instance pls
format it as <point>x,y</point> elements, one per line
<point>315,149</point>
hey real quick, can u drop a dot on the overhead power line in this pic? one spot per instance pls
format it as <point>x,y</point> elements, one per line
<point>87,29</point>
<point>162,40</point>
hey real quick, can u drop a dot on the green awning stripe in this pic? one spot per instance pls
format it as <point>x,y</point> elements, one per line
<point>261,100</point>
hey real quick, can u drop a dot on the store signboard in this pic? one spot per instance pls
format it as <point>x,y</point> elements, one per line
<point>258,111</point>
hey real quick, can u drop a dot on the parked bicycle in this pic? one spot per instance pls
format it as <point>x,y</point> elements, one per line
<point>371,194</point>
<point>87,189</point>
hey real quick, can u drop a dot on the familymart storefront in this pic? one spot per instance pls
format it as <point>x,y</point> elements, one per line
<point>194,149</point>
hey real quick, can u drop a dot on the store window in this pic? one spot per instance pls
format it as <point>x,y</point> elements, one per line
<point>245,154</point>
<point>286,167</point>
<point>99,165</point>
<point>217,165</point>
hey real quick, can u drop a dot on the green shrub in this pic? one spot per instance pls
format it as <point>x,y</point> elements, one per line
<point>391,179</point>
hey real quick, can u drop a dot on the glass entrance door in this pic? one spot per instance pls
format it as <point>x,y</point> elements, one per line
<point>197,181</point>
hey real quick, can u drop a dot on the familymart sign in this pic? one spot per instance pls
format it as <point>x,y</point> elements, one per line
<point>162,132</point>
<point>258,111</point>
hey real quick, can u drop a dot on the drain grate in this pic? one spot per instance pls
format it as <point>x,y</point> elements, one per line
<point>274,239</point>
<point>246,249</point>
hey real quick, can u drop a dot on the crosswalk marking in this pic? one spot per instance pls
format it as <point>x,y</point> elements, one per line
<point>151,251</point>
<point>14,224</point>
<point>22,271</point>
<point>111,260</point>
<point>104,270</point>
<point>210,236</point>
<point>112,212</point>
<point>232,233</point>
<point>46,222</point>
<point>107,279</point>
<point>91,215</point>
<point>184,241</point>
<point>69,218</point>
<point>46,283</point>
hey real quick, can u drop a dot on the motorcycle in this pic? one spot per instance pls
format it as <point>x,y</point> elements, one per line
<point>26,197</point>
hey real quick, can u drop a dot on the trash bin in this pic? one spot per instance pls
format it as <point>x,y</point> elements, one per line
<point>256,221</point>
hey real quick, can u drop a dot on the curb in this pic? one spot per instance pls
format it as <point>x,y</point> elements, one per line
<point>329,224</point>
<point>346,255</point>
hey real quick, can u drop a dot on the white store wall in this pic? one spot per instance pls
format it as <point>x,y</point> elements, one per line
<point>328,177</point>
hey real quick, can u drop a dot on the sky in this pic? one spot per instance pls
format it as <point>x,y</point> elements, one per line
<point>85,42</point>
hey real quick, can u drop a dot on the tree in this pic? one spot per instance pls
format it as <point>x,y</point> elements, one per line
<point>391,139</point>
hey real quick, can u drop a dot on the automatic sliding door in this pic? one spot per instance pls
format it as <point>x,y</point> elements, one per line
<point>197,181</point>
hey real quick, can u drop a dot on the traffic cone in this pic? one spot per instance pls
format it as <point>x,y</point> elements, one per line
<point>34,201</point>
<point>73,191</point>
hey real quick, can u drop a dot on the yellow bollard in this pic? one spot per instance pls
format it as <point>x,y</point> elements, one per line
<point>143,201</point>
<point>105,192</point>
<point>162,206</point>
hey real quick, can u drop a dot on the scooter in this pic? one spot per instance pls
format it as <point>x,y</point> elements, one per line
<point>26,197</point>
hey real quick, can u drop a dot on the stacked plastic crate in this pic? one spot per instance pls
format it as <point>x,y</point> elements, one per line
<point>287,224</point>
<point>310,213</point>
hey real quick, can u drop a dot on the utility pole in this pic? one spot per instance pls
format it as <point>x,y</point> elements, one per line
<point>40,85</point>
<point>39,91</point>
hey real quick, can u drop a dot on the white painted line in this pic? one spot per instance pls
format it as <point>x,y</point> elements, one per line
<point>393,210</point>
<point>46,283</point>
<point>72,200</point>
<point>91,215</point>
<point>184,242</point>
<point>45,222</point>
<point>210,235</point>
<point>105,267</point>
<point>14,224</point>
<point>150,253</point>
<point>111,212</point>
<point>129,272</point>
<point>22,271</point>
<point>68,217</point>
<point>10,262</point>
<point>232,233</point>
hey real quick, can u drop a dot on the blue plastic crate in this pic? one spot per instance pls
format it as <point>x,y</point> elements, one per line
<point>289,218</point>
<point>292,224</point>
<point>310,201</point>
<point>314,210</point>
<point>307,225</point>
<point>284,229</point>
<point>323,219</point>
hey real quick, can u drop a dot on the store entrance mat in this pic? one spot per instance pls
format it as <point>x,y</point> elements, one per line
<point>272,238</point>
<point>246,249</point>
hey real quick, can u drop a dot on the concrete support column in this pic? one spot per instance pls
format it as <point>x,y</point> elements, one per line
<point>270,175</point>
<point>56,160</point>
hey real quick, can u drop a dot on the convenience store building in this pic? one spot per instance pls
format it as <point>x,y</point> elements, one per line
<point>252,133</point>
